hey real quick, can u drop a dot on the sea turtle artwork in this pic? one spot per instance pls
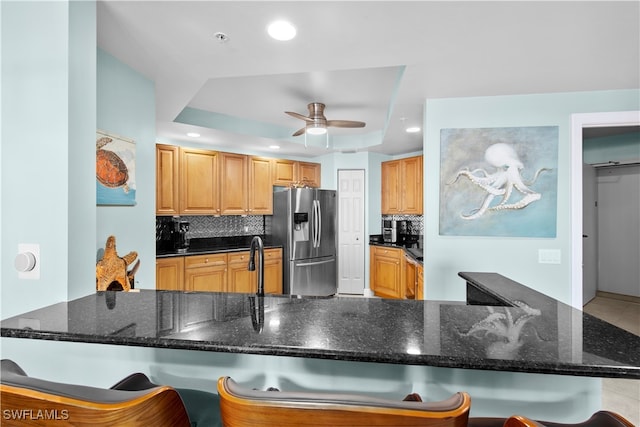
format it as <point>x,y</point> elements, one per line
<point>111,171</point>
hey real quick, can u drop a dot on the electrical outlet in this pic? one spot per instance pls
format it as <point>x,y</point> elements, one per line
<point>549,256</point>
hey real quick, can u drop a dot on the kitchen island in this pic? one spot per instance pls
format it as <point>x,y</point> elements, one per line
<point>527,345</point>
<point>527,333</point>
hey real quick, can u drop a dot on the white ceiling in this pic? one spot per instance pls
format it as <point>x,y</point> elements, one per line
<point>372,61</point>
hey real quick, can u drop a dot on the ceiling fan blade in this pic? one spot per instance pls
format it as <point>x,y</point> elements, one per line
<point>299,116</point>
<point>345,123</point>
<point>299,132</point>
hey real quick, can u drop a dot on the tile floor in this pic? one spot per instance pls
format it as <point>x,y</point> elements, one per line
<point>619,395</point>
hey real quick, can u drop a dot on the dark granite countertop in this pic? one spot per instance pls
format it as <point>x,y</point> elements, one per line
<point>209,245</point>
<point>412,248</point>
<point>536,334</point>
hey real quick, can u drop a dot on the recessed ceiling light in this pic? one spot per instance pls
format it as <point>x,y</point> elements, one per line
<point>281,30</point>
<point>193,134</point>
<point>274,147</point>
<point>413,129</point>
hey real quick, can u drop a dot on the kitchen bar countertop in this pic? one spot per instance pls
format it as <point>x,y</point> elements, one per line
<point>209,245</point>
<point>530,332</point>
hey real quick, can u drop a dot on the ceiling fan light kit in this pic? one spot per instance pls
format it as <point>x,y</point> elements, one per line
<point>317,123</point>
<point>316,129</point>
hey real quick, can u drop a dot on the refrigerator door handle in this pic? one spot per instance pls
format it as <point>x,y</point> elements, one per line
<point>319,238</point>
<point>315,223</point>
<point>307,264</point>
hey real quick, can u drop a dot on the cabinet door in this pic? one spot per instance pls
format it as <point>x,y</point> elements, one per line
<point>167,180</point>
<point>273,271</point>
<point>240,279</point>
<point>308,174</point>
<point>391,191</point>
<point>199,182</point>
<point>387,267</point>
<point>410,278</point>
<point>411,184</point>
<point>420,284</point>
<point>207,273</point>
<point>283,172</point>
<point>260,186</point>
<point>233,184</point>
<point>170,274</point>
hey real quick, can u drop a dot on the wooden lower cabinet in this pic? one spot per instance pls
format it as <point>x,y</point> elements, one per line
<point>420,284</point>
<point>411,277</point>
<point>170,274</point>
<point>387,272</point>
<point>222,272</point>
<point>243,280</point>
<point>240,278</point>
<point>273,271</point>
<point>206,273</point>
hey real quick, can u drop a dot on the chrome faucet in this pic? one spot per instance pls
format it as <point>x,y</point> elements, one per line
<point>257,241</point>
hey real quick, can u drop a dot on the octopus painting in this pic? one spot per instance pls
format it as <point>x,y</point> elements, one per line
<point>502,182</point>
<point>499,181</point>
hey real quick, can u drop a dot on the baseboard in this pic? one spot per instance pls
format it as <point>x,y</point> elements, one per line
<point>620,297</point>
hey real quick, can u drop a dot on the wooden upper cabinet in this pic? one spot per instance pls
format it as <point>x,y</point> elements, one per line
<point>412,189</point>
<point>402,186</point>
<point>260,186</point>
<point>308,174</point>
<point>391,190</point>
<point>199,182</point>
<point>283,172</point>
<point>234,184</point>
<point>167,179</point>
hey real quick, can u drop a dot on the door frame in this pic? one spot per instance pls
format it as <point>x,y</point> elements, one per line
<point>578,122</point>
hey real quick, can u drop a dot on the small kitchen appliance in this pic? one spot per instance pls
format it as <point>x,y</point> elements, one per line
<point>179,235</point>
<point>389,230</point>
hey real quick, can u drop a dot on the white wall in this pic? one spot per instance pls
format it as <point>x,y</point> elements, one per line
<point>48,113</point>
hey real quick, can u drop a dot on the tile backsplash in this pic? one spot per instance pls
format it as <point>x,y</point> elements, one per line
<point>235,225</point>
<point>416,222</point>
<point>220,226</point>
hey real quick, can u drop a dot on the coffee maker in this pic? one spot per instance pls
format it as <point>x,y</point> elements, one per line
<point>179,235</point>
<point>389,230</point>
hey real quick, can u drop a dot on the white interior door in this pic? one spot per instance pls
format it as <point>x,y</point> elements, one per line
<point>589,233</point>
<point>351,241</point>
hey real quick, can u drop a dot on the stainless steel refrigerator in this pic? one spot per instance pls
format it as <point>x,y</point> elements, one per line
<point>304,222</point>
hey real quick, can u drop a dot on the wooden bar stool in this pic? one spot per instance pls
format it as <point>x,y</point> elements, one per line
<point>243,407</point>
<point>598,419</point>
<point>134,402</point>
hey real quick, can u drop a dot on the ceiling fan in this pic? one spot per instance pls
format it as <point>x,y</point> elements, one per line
<point>317,123</point>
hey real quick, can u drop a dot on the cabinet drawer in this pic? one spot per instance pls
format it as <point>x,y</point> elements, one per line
<point>197,261</point>
<point>272,254</point>
<point>387,252</point>
<point>238,258</point>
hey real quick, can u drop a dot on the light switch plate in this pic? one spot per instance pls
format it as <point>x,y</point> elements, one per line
<point>549,256</point>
